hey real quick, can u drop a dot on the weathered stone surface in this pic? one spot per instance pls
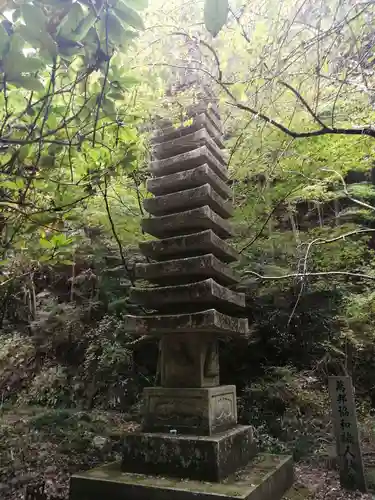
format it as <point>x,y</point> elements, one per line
<point>189,360</point>
<point>187,270</point>
<point>190,221</point>
<point>209,321</point>
<point>199,411</point>
<point>188,160</point>
<point>188,143</point>
<point>268,477</point>
<point>186,180</point>
<point>202,294</point>
<point>208,458</point>
<point>187,200</point>
<point>209,108</point>
<point>190,430</point>
<point>190,245</point>
<point>200,121</point>
<point>348,441</point>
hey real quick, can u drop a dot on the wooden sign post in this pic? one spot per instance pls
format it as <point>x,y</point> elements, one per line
<point>348,446</point>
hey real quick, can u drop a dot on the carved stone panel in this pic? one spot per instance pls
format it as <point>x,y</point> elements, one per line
<point>190,411</point>
<point>223,409</point>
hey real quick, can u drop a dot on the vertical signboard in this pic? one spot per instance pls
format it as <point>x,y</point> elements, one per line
<point>348,446</point>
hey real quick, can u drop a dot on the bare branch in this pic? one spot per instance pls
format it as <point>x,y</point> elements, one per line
<point>317,274</point>
<point>140,340</point>
<point>354,200</point>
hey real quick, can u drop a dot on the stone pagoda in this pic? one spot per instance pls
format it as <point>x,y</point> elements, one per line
<point>191,445</point>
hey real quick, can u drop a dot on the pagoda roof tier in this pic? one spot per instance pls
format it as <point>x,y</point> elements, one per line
<point>199,243</point>
<point>187,160</point>
<point>209,321</point>
<point>204,294</point>
<point>186,270</point>
<point>187,200</point>
<point>188,179</point>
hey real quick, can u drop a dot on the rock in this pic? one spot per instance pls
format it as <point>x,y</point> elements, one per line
<point>4,488</point>
<point>99,442</point>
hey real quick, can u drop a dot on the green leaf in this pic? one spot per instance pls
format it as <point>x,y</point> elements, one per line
<point>45,243</point>
<point>16,14</point>
<point>54,149</point>
<point>16,63</point>
<point>215,15</point>
<point>33,17</point>
<point>31,64</point>
<point>4,40</point>
<point>84,27</point>
<point>60,240</point>
<point>28,83</point>
<point>116,30</point>
<point>23,152</point>
<point>71,21</point>
<point>136,4</point>
<point>47,161</point>
<point>16,44</point>
<point>44,258</point>
<point>109,107</point>
<point>9,185</point>
<point>129,16</point>
<point>129,81</point>
<point>40,40</point>
<point>67,262</point>
<point>117,96</point>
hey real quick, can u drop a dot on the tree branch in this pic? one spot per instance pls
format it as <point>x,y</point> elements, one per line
<point>317,274</point>
<point>367,131</point>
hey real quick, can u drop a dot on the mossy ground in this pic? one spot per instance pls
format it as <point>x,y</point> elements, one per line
<point>43,444</point>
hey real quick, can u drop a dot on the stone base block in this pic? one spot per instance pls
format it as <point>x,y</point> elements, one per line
<point>267,478</point>
<point>197,411</point>
<point>211,458</point>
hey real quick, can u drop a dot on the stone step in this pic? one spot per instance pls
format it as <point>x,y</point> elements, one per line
<point>188,200</point>
<point>205,458</point>
<point>186,270</point>
<point>209,321</point>
<point>188,143</point>
<point>199,121</point>
<point>188,160</point>
<point>188,179</point>
<point>190,245</point>
<point>194,296</point>
<point>184,223</point>
<point>267,477</point>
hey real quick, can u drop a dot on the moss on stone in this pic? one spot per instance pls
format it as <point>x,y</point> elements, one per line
<point>241,485</point>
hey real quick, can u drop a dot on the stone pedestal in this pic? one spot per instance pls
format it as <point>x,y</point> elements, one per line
<point>191,445</point>
<point>206,458</point>
<point>199,411</point>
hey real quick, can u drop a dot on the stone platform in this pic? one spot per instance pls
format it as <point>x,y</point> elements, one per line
<point>204,458</point>
<point>267,477</point>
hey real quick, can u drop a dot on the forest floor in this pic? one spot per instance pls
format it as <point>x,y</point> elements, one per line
<point>38,444</point>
